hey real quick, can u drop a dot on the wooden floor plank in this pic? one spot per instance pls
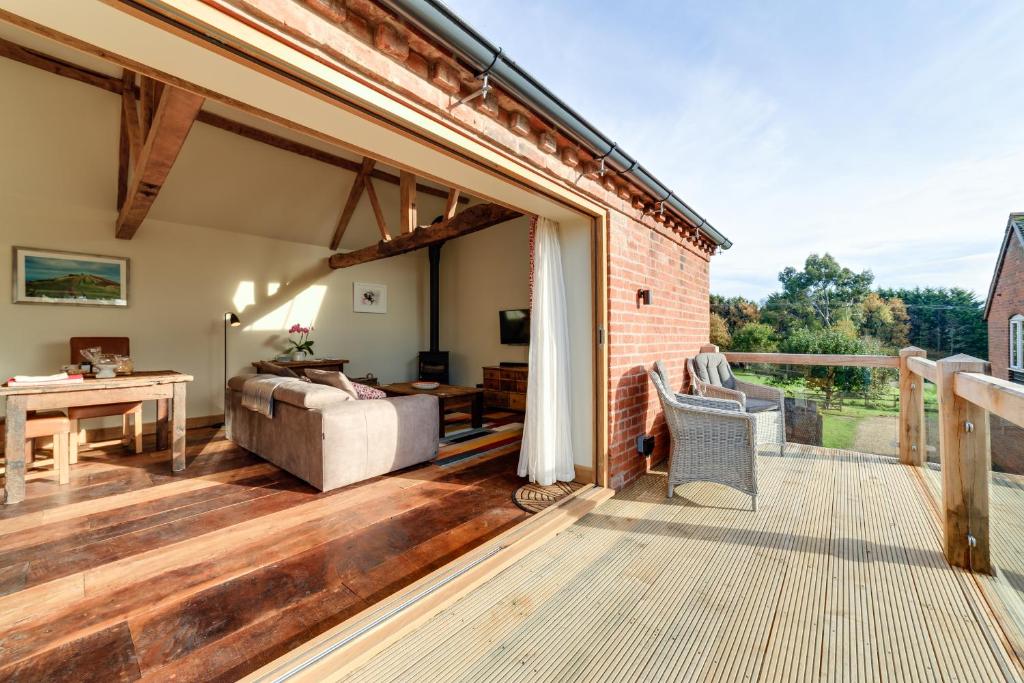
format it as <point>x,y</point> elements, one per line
<point>209,574</point>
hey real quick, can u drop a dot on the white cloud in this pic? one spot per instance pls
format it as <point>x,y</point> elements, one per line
<point>889,135</point>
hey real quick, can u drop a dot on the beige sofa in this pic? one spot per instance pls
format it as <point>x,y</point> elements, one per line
<point>328,441</point>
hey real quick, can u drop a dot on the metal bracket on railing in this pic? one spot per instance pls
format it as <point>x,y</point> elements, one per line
<point>913,446</point>
<point>968,426</point>
<point>972,541</point>
<point>913,386</point>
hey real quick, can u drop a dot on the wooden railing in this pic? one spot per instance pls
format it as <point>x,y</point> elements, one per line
<point>966,396</point>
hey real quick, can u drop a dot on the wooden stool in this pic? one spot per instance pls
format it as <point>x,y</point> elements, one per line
<point>131,438</point>
<point>55,424</point>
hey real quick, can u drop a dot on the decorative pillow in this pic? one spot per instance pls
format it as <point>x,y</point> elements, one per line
<point>333,378</point>
<point>365,392</point>
<point>268,368</point>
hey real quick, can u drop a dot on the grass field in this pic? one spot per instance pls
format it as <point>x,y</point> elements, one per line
<point>841,425</point>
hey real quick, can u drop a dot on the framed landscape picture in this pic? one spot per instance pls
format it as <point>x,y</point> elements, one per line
<point>43,276</point>
<point>369,298</point>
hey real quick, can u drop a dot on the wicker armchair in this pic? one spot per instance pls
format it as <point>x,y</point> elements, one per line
<point>712,377</point>
<point>712,440</point>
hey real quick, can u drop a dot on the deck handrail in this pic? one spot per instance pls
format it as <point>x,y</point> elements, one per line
<point>966,397</point>
<point>998,396</point>
<point>923,367</point>
<point>830,359</point>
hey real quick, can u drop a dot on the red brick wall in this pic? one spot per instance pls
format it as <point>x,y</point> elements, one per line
<point>1007,301</point>
<point>671,329</point>
<point>645,250</point>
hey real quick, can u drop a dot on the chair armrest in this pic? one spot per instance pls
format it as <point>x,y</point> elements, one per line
<point>707,402</point>
<point>712,391</point>
<point>761,391</point>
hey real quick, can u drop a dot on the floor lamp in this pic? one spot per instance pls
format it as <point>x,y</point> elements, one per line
<point>230,320</point>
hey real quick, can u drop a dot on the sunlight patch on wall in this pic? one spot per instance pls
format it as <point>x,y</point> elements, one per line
<point>303,309</point>
<point>245,295</point>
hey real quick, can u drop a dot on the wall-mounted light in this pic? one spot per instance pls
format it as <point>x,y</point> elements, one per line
<point>643,297</point>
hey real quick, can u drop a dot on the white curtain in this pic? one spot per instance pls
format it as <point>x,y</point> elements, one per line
<point>546,456</point>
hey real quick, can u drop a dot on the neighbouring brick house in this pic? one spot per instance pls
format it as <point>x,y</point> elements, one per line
<point>1004,308</point>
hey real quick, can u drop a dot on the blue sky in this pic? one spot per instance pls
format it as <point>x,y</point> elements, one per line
<point>889,134</point>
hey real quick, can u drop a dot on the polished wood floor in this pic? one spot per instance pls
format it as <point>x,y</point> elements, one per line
<point>132,573</point>
<point>838,576</point>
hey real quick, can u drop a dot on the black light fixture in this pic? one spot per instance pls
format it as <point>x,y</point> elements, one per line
<point>230,320</point>
<point>643,296</point>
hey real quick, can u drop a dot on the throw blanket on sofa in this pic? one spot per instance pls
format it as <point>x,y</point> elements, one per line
<point>258,393</point>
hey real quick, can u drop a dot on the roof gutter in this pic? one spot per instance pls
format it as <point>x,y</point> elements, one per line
<point>437,20</point>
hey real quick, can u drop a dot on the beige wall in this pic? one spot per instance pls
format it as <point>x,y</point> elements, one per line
<point>208,247</point>
<point>57,191</point>
<point>482,274</point>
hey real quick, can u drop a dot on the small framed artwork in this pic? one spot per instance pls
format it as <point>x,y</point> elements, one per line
<point>45,276</point>
<point>369,298</point>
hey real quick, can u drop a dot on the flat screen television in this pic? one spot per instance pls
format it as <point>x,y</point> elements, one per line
<point>515,326</point>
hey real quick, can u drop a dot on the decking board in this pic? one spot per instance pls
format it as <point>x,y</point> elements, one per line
<point>839,576</point>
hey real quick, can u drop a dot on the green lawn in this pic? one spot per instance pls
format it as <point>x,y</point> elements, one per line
<point>839,431</point>
<point>839,424</point>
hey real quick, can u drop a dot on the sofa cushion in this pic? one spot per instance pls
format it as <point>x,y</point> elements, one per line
<point>333,378</point>
<point>299,394</point>
<point>267,368</point>
<point>366,392</point>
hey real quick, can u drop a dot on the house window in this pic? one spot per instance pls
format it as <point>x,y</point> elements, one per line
<point>1017,342</point>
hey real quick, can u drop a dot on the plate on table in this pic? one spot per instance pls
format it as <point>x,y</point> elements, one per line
<point>425,386</point>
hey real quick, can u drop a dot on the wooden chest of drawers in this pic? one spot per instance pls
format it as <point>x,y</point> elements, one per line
<point>505,387</point>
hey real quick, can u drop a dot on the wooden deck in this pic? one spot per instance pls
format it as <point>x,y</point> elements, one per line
<point>132,572</point>
<point>838,576</point>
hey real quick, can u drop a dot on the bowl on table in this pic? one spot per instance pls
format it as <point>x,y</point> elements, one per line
<point>425,386</point>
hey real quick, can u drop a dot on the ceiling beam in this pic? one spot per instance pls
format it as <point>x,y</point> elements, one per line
<point>378,213</point>
<point>470,220</point>
<point>130,137</point>
<point>59,67</point>
<point>114,85</point>
<point>451,204</point>
<point>407,203</point>
<point>172,119</point>
<point>353,199</point>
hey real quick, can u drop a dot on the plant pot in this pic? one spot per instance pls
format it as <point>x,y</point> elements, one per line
<point>300,355</point>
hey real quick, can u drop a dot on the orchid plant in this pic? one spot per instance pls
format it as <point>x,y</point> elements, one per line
<point>304,343</point>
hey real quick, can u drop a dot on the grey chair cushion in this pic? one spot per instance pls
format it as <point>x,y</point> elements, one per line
<point>760,405</point>
<point>714,369</point>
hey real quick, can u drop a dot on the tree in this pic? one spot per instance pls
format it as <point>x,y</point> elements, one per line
<point>943,321</point>
<point>827,379</point>
<point>885,320</point>
<point>755,337</point>
<point>736,311</point>
<point>719,332</point>
<point>816,296</point>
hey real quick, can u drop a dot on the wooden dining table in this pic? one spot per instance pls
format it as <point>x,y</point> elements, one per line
<point>166,387</point>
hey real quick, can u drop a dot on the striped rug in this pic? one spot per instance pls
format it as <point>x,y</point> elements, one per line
<point>501,434</point>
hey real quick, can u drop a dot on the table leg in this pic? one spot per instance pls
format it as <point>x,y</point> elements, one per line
<point>178,428</point>
<point>14,451</point>
<point>477,411</point>
<point>161,424</point>
<point>440,418</point>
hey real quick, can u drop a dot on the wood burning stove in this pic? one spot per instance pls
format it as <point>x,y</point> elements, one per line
<point>435,365</point>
